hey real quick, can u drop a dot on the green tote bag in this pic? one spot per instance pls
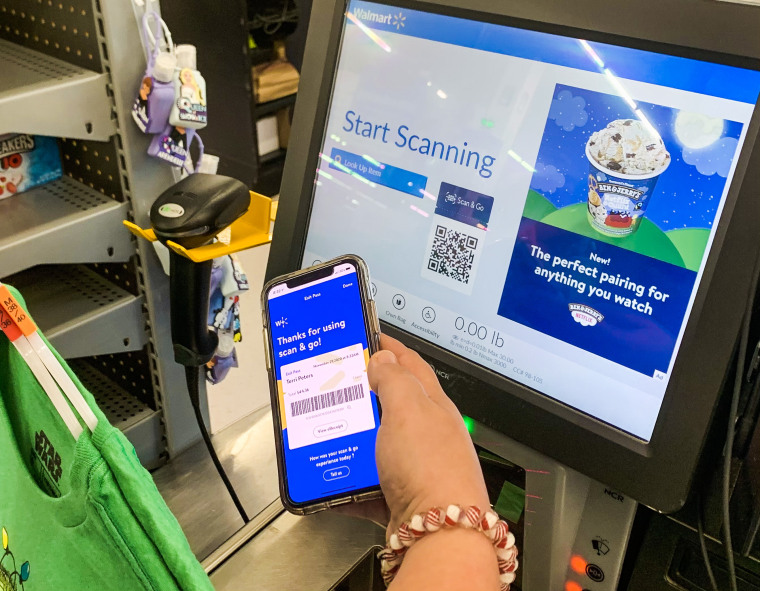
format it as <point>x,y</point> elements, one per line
<point>79,514</point>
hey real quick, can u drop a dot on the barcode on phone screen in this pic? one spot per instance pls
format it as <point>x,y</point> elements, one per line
<point>326,400</point>
<point>452,254</point>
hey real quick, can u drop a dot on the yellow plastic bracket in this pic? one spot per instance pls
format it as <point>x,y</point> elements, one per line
<point>139,232</point>
<point>251,229</point>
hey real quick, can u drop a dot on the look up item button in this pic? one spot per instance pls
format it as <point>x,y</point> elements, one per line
<point>371,171</point>
<point>335,473</point>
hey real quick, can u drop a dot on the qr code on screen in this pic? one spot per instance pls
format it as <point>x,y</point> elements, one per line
<point>452,254</point>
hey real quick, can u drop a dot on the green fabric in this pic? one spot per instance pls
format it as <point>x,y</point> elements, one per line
<point>79,515</point>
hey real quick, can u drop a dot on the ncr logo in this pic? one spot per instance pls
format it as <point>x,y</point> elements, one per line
<point>281,322</point>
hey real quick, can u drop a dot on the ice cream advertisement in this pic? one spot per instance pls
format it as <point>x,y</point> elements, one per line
<point>616,224</point>
<point>625,158</point>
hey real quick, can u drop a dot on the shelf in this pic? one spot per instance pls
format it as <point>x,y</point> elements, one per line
<point>81,313</point>
<point>62,222</point>
<point>270,107</point>
<point>136,420</point>
<point>46,96</point>
<point>272,157</point>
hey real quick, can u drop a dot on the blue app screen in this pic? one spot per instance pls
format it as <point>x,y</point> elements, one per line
<point>329,414</point>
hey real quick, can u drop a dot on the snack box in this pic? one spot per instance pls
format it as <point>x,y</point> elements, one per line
<point>27,161</point>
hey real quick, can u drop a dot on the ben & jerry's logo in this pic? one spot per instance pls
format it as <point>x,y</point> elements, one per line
<point>585,315</point>
<point>614,189</point>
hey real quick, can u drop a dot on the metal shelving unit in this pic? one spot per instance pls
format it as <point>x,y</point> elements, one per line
<point>43,95</point>
<point>80,312</point>
<point>134,418</point>
<point>69,71</point>
<point>76,67</point>
<point>62,222</point>
<point>271,107</point>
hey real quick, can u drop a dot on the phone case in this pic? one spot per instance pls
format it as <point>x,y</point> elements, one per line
<point>373,331</point>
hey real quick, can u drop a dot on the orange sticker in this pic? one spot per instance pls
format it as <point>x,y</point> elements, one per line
<point>15,313</point>
<point>10,328</point>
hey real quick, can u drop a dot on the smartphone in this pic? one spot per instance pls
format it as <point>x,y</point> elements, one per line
<point>320,329</point>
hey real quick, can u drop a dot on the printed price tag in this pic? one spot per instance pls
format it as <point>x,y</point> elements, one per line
<point>10,328</point>
<point>13,312</point>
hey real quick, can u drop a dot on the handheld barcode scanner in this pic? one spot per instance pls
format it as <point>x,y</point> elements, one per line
<point>191,214</point>
<point>186,218</point>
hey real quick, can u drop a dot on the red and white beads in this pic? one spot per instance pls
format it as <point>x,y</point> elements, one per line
<point>436,518</point>
<point>470,517</point>
<point>416,526</point>
<point>452,514</point>
<point>404,535</point>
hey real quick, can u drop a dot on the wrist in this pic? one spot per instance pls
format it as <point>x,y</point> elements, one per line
<point>467,496</point>
<point>452,559</point>
<point>484,523</point>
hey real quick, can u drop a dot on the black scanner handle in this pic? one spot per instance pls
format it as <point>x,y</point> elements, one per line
<point>191,213</point>
<point>189,287</point>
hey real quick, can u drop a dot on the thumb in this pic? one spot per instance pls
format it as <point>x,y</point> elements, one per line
<point>394,384</point>
<point>374,369</point>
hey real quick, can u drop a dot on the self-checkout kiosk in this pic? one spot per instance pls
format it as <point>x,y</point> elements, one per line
<point>559,210</point>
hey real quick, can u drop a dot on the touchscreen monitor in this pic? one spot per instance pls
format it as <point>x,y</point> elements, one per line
<point>552,202</point>
<point>538,204</point>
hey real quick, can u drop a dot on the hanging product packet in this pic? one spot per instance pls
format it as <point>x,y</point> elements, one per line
<point>173,146</point>
<point>189,108</point>
<point>155,96</point>
<point>228,283</point>
<point>79,513</point>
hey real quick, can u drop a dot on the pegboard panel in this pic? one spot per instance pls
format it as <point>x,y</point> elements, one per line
<point>121,408</point>
<point>122,274</point>
<point>130,371</point>
<point>95,164</point>
<point>65,29</point>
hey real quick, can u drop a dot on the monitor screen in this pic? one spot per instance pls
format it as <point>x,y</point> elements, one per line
<point>543,205</point>
<point>543,210</point>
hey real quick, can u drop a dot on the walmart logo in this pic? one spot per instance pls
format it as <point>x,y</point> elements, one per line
<point>394,20</point>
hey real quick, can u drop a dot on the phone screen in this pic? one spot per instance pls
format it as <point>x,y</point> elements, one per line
<point>329,416</point>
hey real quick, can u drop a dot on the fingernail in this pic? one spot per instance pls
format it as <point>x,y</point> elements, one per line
<point>385,357</point>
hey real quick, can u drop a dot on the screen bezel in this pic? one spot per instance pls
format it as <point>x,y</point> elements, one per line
<point>299,280</point>
<point>657,473</point>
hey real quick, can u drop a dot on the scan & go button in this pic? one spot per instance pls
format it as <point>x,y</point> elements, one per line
<point>330,429</point>
<point>335,473</point>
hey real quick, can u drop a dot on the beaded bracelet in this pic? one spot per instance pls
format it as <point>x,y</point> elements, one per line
<point>436,518</point>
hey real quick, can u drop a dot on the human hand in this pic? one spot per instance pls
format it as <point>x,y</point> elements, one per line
<point>425,457</point>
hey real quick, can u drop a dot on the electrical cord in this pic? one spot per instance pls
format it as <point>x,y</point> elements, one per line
<point>731,431</point>
<point>193,375</point>
<point>271,23</point>
<point>703,545</point>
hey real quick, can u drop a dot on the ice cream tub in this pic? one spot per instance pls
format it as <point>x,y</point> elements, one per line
<point>625,160</point>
